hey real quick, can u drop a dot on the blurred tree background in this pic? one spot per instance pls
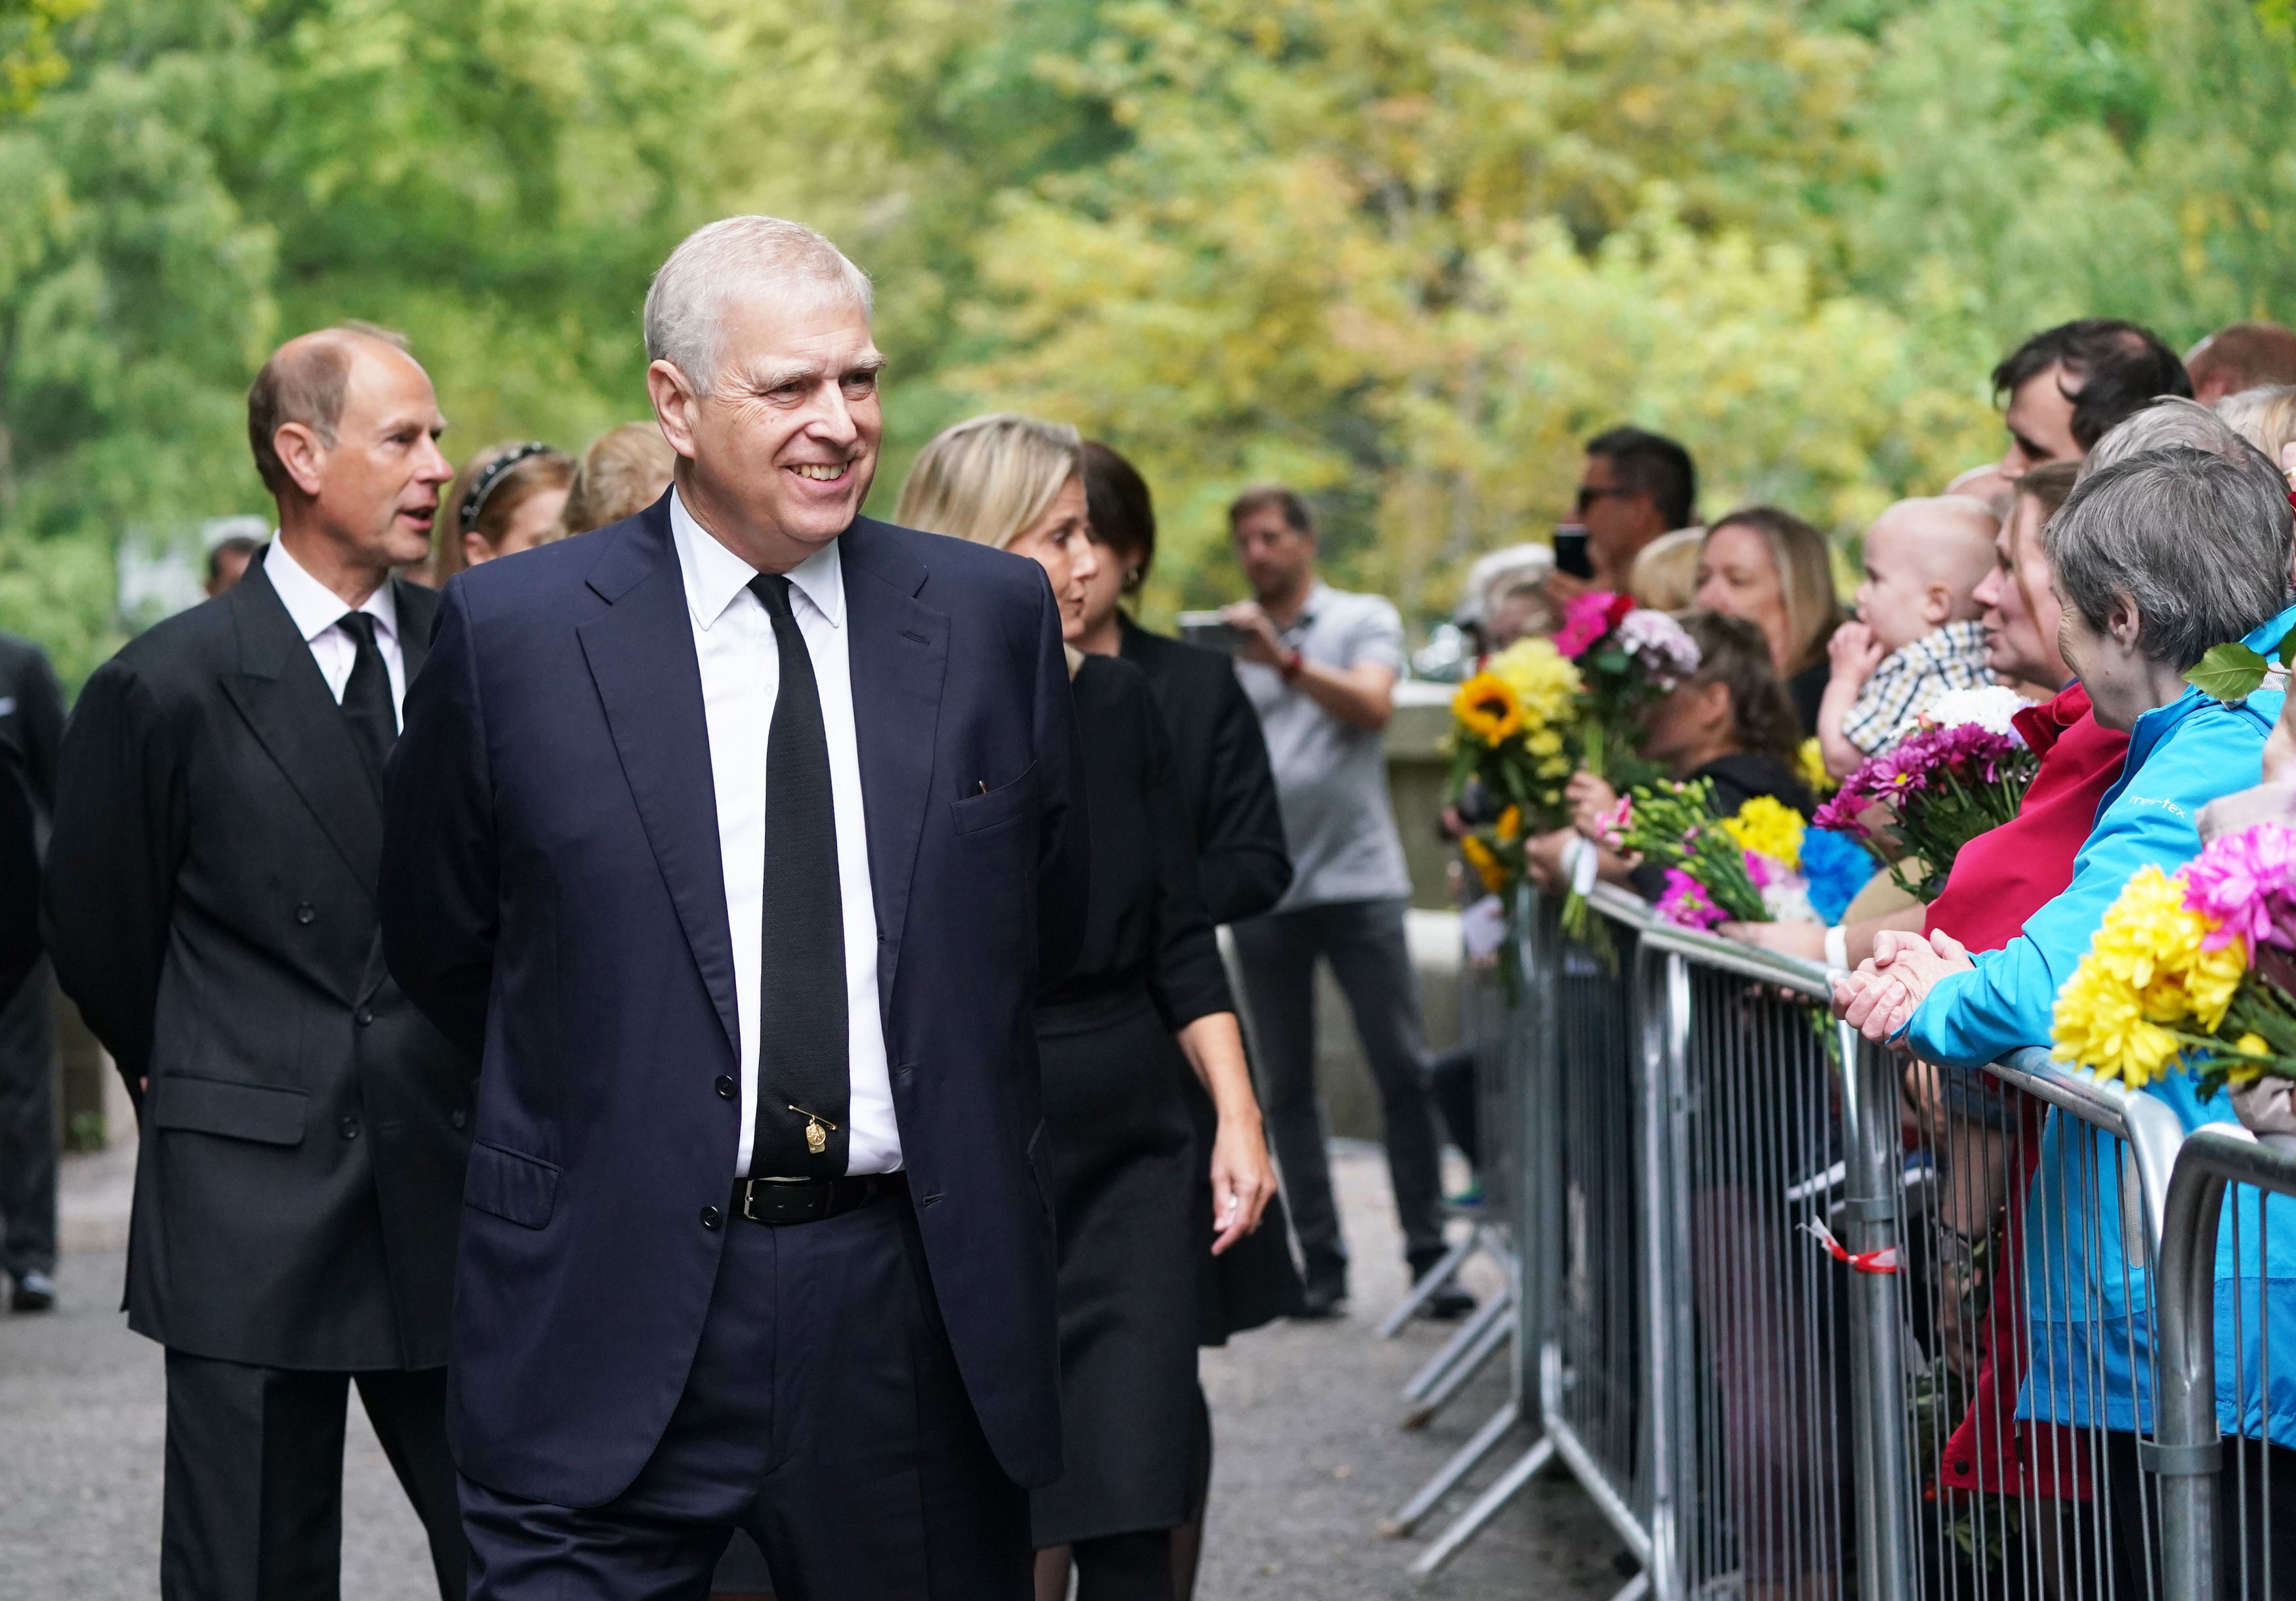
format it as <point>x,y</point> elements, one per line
<point>1405,252</point>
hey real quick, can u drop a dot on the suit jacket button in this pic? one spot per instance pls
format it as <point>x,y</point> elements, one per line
<point>727,1087</point>
<point>460,1117</point>
<point>711,1217</point>
<point>307,913</point>
<point>349,1127</point>
<point>363,1015</point>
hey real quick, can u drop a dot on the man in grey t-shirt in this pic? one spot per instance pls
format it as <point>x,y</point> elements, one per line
<point>1320,667</point>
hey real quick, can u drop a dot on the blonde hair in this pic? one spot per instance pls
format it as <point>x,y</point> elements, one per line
<point>986,479</point>
<point>1804,564</point>
<point>522,482</point>
<point>1664,577</point>
<point>2265,416</point>
<point>622,472</point>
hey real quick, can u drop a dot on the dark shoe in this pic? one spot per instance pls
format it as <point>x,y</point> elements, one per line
<point>1324,1293</point>
<point>34,1292</point>
<point>1447,1305</point>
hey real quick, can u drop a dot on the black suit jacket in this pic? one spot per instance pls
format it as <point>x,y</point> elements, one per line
<point>1223,776</point>
<point>553,892</point>
<point>31,723</point>
<point>211,906</point>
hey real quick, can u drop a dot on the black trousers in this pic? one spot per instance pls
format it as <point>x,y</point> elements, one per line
<point>825,1415</point>
<point>253,1509</point>
<point>27,1127</point>
<point>1364,943</point>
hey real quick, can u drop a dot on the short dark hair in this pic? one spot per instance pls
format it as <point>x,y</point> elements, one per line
<point>1736,653</point>
<point>2120,367</point>
<point>236,545</point>
<point>1261,497</point>
<point>304,382</point>
<point>1123,513</point>
<point>1654,465</point>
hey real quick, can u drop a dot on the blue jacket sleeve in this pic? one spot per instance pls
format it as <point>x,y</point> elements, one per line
<point>1975,1017</point>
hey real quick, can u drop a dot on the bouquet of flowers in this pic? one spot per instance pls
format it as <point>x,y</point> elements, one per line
<point>2202,960</point>
<point>1627,656</point>
<point>1511,740</point>
<point>1745,868</point>
<point>1962,771</point>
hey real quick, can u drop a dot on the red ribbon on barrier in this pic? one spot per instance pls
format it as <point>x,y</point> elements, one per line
<point>1884,1260</point>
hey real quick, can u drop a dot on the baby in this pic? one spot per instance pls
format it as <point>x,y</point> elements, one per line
<point>1917,632</point>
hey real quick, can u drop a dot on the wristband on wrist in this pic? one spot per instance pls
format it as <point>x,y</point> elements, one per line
<point>1837,947</point>
<point>1291,665</point>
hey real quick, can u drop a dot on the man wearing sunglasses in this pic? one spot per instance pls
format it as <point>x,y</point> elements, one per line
<point>1636,486</point>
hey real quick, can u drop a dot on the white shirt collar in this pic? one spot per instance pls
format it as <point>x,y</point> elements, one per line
<point>715,576</point>
<point>315,608</point>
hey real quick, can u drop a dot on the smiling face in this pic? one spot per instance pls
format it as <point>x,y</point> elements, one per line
<point>777,458</point>
<point>1738,577</point>
<point>1059,543</point>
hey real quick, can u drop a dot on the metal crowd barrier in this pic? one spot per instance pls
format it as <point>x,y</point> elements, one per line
<point>1806,1319</point>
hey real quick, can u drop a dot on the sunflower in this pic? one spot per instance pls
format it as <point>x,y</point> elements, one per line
<point>1486,864</point>
<point>1486,708</point>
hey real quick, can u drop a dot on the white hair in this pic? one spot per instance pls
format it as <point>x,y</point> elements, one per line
<point>685,307</point>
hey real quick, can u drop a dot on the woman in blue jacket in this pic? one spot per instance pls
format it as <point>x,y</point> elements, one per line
<point>2158,557</point>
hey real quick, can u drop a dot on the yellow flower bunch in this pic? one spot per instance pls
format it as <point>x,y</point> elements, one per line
<point>1770,827</point>
<point>1809,767</point>
<point>1485,863</point>
<point>1544,681</point>
<point>2146,972</point>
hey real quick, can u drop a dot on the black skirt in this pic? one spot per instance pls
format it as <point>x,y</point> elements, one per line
<point>1124,1175</point>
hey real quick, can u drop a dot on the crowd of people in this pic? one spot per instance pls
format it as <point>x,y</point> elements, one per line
<point>705,1007</point>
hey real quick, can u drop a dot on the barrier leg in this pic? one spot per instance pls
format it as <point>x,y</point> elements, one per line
<point>1448,1476</point>
<point>1434,1279</point>
<point>1470,1363</point>
<point>1487,1506</point>
<point>1464,1339</point>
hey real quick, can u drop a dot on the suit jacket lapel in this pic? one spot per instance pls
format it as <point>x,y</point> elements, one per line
<point>418,615</point>
<point>897,656</point>
<point>642,660</point>
<point>280,691</point>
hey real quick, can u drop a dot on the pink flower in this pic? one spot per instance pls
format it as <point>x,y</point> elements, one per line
<point>1686,903</point>
<point>1585,620</point>
<point>2246,883</point>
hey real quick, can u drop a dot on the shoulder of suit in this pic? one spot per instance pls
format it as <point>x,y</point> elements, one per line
<point>543,577</point>
<point>194,639</point>
<point>900,555</point>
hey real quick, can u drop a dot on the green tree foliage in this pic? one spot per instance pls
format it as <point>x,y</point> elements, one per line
<point>1408,252</point>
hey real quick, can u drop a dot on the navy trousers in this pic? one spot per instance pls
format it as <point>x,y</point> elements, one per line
<point>824,1414</point>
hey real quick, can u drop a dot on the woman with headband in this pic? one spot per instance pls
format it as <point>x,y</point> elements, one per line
<point>505,499</point>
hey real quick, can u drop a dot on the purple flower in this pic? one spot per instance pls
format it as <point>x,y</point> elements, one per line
<point>1686,903</point>
<point>2246,883</point>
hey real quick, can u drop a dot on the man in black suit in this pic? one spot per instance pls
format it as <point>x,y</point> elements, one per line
<point>734,833</point>
<point>31,726</point>
<point>211,907</point>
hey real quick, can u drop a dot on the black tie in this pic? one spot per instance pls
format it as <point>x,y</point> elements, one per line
<point>803,1075</point>
<point>367,695</point>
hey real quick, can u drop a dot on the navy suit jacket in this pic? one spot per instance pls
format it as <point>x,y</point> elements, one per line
<point>552,896</point>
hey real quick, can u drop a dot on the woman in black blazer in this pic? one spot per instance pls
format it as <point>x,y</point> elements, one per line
<point>1223,778</point>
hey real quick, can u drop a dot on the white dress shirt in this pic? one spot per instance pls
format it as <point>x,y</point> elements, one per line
<point>741,677</point>
<point>319,614</point>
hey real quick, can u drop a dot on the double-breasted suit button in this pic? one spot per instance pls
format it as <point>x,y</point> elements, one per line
<point>460,1117</point>
<point>307,914</point>
<point>726,1086</point>
<point>711,1217</point>
<point>363,1015</point>
<point>349,1127</point>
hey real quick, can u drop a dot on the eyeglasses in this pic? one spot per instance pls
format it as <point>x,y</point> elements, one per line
<point>1588,494</point>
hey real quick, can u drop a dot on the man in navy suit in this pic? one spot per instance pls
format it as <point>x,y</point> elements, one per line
<point>732,835</point>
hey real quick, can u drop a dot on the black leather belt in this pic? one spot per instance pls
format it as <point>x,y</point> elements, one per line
<point>779,1202</point>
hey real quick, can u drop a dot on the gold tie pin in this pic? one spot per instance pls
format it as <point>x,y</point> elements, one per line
<point>816,1129</point>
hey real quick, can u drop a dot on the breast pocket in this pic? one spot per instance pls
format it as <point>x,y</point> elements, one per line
<point>977,814</point>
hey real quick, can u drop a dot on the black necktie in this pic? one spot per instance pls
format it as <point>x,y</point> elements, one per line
<point>804,1074</point>
<point>367,695</point>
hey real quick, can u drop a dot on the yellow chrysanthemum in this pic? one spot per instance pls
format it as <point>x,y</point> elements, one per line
<point>1809,767</point>
<point>1486,708</point>
<point>1544,681</point>
<point>2146,968</point>
<point>1770,827</point>
<point>1486,865</point>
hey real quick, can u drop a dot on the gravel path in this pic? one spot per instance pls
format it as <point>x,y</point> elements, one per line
<point>1309,1454</point>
